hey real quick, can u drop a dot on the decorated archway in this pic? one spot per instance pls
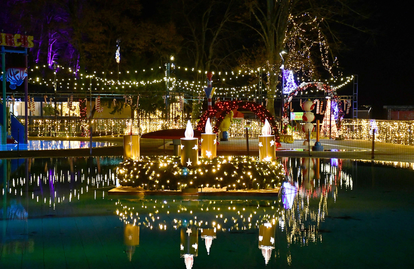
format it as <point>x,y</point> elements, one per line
<point>223,108</point>
<point>333,98</point>
<point>304,86</point>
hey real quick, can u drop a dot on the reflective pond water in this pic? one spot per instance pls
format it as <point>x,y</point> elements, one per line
<point>53,144</point>
<point>56,213</point>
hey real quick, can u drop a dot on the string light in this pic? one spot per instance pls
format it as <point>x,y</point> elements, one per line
<point>166,172</point>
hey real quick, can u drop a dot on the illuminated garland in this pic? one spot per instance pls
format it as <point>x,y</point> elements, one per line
<point>221,109</point>
<point>82,81</point>
<point>166,173</point>
<point>300,40</point>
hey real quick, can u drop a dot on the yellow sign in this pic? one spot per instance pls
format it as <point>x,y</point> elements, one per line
<point>296,115</point>
<point>16,40</point>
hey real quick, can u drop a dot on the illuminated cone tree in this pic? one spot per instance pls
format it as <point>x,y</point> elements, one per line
<point>329,123</point>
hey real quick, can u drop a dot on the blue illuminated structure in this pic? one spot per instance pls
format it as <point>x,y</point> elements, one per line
<point>290,84</point>
<point>20,43</point>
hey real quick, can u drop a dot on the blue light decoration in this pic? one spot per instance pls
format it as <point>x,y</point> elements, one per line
<point>290,84</point>
<point>16,76</point>
<point>118,55</point>
<point>289,192</point>
<point>334,162</point>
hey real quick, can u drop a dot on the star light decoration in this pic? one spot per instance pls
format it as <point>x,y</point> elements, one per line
<point>260,144</point>
<point>208,153</point>
<point>267,159</point>
<point>189,162</point>
<point>195,147</point>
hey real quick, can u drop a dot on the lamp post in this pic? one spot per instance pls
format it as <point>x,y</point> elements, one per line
<point>118,55</point>
<point>281,91</point>
<point>168,66</point>
<point>90,115</point>
<point>4,127</point>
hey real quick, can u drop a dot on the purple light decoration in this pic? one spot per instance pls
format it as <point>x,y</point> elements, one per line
<point>290,84</point>
<point>288,194</point>
<point>335,110</point>
<point>51,183</point>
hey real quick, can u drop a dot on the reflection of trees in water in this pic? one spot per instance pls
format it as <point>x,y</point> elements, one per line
<point>225,215</point>
<point>204,217</point>
<point>310,183</point>
<point>55,180</point>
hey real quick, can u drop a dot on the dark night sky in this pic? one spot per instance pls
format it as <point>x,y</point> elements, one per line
<point>384,67</point>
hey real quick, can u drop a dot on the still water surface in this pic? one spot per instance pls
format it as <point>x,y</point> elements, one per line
<point>56,213</point>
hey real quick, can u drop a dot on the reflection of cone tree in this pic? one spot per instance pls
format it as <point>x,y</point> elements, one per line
<point>189,245</point>
<point>131,239</point>
<point>267,240</point>
<point>208,235</point>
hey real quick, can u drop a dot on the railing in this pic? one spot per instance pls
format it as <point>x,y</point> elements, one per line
<point>388,131</point>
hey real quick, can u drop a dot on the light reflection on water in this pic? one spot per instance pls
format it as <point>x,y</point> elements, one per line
<point>53,145</point>
<point>324,208</point>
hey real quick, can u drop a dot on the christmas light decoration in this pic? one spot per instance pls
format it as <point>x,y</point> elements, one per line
<point>225,107</point>
<point>80,82</point>
<point>267,150</point>
<point>208,142</point>
<point>290,84</point>
<point>189,147</point>
<point>329,128</point>
<point>15,75</point>
<point>167,173</point>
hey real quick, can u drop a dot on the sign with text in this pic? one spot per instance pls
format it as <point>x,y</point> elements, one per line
<point>16,40</point>
<point>296,115</point>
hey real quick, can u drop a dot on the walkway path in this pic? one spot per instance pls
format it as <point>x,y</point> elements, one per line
<point>345,149</point>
